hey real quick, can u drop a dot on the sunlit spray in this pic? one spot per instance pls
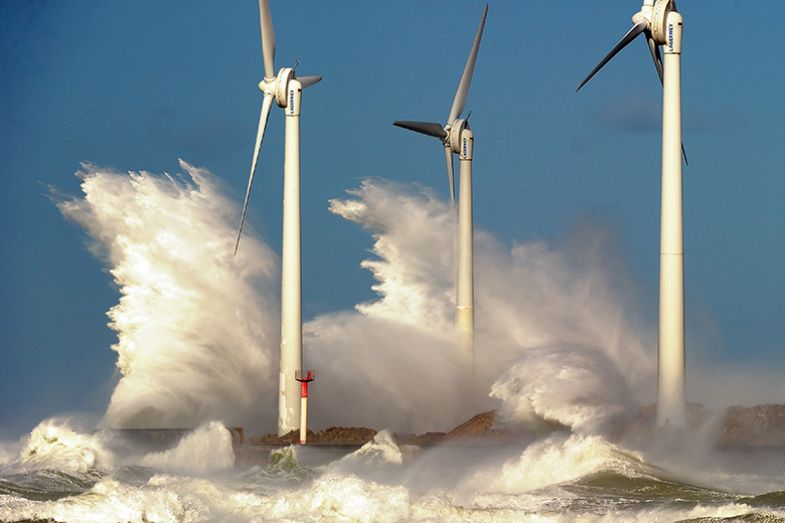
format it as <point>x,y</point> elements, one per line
<point>557,311</point>
<point>196,326</point>
<point>197,329</point>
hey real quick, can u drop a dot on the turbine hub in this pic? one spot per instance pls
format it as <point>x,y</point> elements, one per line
<point>455,131</point>
<point>658,21</point>
<point>281,85</point>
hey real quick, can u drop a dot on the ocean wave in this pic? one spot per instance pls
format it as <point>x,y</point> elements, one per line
<point>335,496</point>
<point>557,459</point>
<point>206,449</point>
<point>55,445</point>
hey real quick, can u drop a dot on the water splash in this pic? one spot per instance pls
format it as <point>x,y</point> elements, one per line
<point>554,336</point>
<point>207,449</point>
<point>382,450</point>
<point>195,325</point>
<point>554,460</point>
<point>196,335</point>
<point>55,445</point>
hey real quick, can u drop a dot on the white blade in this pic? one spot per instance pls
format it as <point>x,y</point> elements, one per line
<point>268,38</point>
<point>266,104</point>
<point>466,80</point>
<point>308,81</point>
<point>450,174</point>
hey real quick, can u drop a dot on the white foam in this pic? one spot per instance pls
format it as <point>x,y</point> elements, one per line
<point>195,325</point>
<point>5,456</point>
<point>554,460</point>
<point>381,449</point>
<point>206,449</point>
<point>54,445</point>
<point>331,497</point>
<point>577,387</point>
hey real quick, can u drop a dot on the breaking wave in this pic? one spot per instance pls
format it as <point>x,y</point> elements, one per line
<point>197,327</point>
<point>560,478</point>
<point>206,449</point>
<point>557,343</point>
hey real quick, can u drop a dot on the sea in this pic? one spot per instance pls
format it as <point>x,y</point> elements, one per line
<point>560,342</point>
<point>61,473</point>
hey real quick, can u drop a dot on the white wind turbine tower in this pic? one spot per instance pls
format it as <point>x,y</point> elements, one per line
<point>286,90</point>
<point>662,25</point>
<point>458,139</point>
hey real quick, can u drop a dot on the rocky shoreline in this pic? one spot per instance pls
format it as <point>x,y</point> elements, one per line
<point>761,427</point>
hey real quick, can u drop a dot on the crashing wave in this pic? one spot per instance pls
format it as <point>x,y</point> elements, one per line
<point>54,445</point>
<point>206,449</point>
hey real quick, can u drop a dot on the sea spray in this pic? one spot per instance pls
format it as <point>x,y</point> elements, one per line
<point>55,445</point>
<point>378,454</point>
<point>413,242</point>
<point>535,302</point>
<point>197,333</point>
<point>575,387</point>
<point>206,449</point>
<point>558,478</point>
<point>538,307</point>
<point>196,326</point>
<point>556,459</point>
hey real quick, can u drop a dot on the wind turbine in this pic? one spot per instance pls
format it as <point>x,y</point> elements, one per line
<point>662,25</point>
<point>457,138</point>
<point>285,88</point>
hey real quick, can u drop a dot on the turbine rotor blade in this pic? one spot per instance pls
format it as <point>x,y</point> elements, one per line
<point>266,104</point>
<point>268,38</point>
<point>450,173</point>
<point>626,39</point>
<point>430,128</point>
<point>308,81</point>
<point>462,93</point>
<point>654,49</point>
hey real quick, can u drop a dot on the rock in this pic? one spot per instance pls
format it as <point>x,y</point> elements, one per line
<point>422,440</point>
<point>330,436</point>
<point>762,426</point>
<point>344,436</point>
<point>479,425</point>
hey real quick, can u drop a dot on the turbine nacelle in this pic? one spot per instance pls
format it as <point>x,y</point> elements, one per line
<point>661,20</point>
<point>655,17</point>
<point>278,87</point>
<point>455,135</point>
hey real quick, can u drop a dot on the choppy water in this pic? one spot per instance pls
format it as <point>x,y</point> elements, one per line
<point>58,473</point>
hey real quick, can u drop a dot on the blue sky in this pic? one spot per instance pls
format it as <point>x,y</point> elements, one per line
<point>135,85</point>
